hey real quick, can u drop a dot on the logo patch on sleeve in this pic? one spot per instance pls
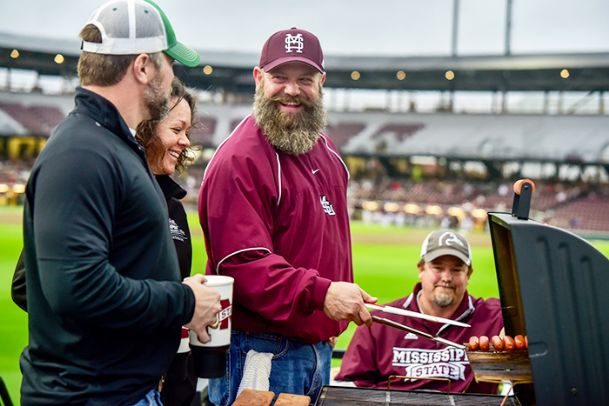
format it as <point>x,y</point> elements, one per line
<point>176,232</point>
<point>327,206</point>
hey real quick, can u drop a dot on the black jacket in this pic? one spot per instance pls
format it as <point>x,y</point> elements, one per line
<point>178,227</point>
<point>178,224</point>
<point>180,385</point>
<point>18,286</point>
<point>103,295</point>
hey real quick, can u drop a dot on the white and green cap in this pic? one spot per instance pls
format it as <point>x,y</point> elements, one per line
<point>130,27</point>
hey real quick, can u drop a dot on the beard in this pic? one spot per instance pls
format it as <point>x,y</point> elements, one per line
<point>295,133</point>
<point>444,297</point>
<point>156,100</point>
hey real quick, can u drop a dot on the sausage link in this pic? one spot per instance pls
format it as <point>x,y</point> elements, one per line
<point>519,341</point>
<point>483,343</point>
<point>473,343</point>
<point>497,343</point>
<point>509,343</point>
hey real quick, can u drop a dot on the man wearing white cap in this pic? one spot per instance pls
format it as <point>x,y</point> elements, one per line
<point>274,214</point>
<point>104,296</point>
<point>377,352</point>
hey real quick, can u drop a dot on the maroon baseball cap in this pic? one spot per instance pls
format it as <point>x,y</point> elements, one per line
<point>293,45</point>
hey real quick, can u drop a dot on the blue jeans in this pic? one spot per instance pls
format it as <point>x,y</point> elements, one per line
<point>152,398</point>
<point>297,368</point>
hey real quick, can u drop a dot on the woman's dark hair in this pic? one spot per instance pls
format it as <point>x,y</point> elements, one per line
<point>146,130</point>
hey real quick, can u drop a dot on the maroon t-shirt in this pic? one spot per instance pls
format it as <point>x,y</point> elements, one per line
<point>379,351</point>
<point>279,225</point>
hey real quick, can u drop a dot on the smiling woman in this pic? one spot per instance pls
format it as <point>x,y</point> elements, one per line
<point>167,141</point>
<point>167,146</point>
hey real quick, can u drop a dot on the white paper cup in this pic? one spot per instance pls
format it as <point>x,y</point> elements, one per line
<point>210,358</point>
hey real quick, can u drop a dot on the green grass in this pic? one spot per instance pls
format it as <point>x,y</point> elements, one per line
<point>384,262</point>
<point>13,321</point>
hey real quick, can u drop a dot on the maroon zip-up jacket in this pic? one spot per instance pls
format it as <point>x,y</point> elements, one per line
<point>279,225</point>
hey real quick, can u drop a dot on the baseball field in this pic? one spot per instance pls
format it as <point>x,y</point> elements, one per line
<point>384,262</point>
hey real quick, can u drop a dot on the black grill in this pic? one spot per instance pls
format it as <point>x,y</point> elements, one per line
<point>554,287</point>
<point>347,396</point>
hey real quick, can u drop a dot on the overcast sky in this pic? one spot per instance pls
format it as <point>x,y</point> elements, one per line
<point>356,27</point>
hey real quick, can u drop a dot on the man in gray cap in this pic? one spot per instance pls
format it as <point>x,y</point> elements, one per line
<point>377,352</point>
<point>104,296</point>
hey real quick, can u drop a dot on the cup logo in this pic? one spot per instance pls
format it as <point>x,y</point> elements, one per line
<point>224,315</point>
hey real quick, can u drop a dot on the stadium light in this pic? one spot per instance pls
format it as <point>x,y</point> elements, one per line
<point>19,188</point>
<point>434,210</point>
<point>370,205</point>
<point>59,59</point>
<point>456,212</point>
<point>4,188</point>
<point>449,75</point>
<point>15,54</point>
<point>479,214</point>
<point>391,207</point>
<point>208,153</point>
<point>355,75</point>
<point>565,73</point>
<point>412,208</point>
<point>208,70</point>
<point>400,75</point>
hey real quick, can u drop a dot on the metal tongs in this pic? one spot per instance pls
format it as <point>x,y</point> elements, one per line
<point>397,325</point>
<point>410,313</point>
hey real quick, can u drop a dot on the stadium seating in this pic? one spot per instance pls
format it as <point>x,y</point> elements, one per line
<point>478,136</point>
<point>8,125</point>
<point>577,138</point>
<point>203,131</point>
<point>401,131</point>
<point>31,113</point>
<point>49,115</point>
<point>26,117</point>
<point>342,132</point>
<point>590,213</point>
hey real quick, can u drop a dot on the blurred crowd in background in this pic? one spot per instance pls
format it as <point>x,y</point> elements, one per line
<point>460,204</point>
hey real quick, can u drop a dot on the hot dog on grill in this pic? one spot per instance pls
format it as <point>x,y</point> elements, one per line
<point>509,343</point>
<point>497,343</point>
<point>519,341</point>
<point>484,343</point>
<point>472,345</point>
<point>500,344</point>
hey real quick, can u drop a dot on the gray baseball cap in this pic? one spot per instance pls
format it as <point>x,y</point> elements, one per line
<point>136,27</point>
<point>446,242</point>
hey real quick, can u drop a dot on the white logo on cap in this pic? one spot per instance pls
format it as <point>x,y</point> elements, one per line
<point>449,239</point>
<point>294,43</point>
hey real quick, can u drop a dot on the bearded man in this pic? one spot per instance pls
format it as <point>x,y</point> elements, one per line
<point>378,352</point>
<point>273,209</point>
